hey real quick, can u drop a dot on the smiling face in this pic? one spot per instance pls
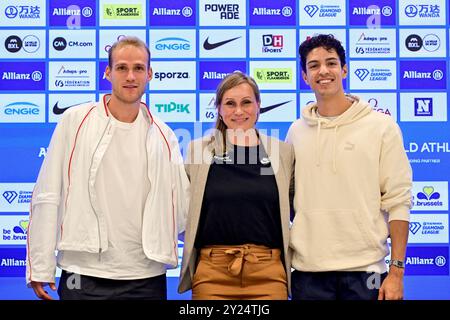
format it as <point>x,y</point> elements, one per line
<point>129,73</point>
<point>239,107</point>
<point>324,73</point>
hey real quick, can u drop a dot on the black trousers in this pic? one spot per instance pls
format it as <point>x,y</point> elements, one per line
<point>74,286</point>
<point>336,285</point>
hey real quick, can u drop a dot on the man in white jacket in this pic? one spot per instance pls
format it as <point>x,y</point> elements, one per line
<point>352,188</point>
<point>111,196</point>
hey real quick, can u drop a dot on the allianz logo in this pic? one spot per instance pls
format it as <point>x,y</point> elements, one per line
<point>173,44</point>
<point>173,107</point>
<point>11,75</point>
<point>439,261</point>
<point>412,74</point>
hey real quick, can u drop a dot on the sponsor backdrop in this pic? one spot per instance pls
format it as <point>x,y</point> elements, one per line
<point>53,55</point>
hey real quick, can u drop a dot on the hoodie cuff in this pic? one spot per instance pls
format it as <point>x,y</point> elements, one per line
<point>400,212</point>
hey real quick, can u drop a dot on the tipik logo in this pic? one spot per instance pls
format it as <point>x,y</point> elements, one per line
<point>362,74</point>
<point>414,227</point>
<point>274,106</point>
<point>10,196</point>
<point>311,10</point>
<point>428,194</point>
<point>210,46</point>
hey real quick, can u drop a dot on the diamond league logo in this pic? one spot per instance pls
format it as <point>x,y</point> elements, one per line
<point>10,196</point>
<point>311,10</point>
<point>362,74</point>
<point>414,227</point>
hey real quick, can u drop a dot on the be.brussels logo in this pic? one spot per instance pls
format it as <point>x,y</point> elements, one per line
<point>428,228</point>
<point>13,230</point>
<point>372,43</point>
<point>181,109</point>
<point>419,12</point>
<point>423,74</point>
<point>369,74</point>
<point>175,13</point>
<point>219,13</point>
<point>29,44</point>
<point>426,261</point>
<point>23,76</point>
<point>280,12</point>
<point>379,12</point>
<point>64,13</point>
<point>430,196</point>
<point>212,72</point>
<point>323,12</point>
<point>12,262</point>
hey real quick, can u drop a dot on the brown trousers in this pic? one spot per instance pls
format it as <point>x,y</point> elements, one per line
<point>239,272</point>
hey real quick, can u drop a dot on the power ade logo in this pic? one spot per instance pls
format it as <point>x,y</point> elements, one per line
<point>65,13</point>
<point>13,262</point>
<point>430,42</point>
<point>22,76</point>
<point>59,44</point>
<point>226,11</point>
<point>426,261</point>
<point>380,11</point>
<point>266,75</point>
<point>29,44</point>
<point>123,11</point>
<point>423,74</point>
<point>212,72</point>
<point>281,12</point>
<point>272,43</point>
<point>175,13</point>
<point>23,12</point>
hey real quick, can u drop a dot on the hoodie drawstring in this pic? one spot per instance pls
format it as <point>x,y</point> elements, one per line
<point>334,149</point>
<point>318,143</point>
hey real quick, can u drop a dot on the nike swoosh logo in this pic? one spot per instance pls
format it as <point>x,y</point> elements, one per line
<point>57,110</point>
<point>210,46</point>
<point>265,109</point>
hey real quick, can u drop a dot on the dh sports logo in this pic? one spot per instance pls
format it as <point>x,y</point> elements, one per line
<point>10,196</point>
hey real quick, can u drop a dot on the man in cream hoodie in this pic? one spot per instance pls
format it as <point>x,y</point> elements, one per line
<point>352,188</point>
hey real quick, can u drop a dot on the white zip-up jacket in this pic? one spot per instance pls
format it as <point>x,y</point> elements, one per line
<point>352,177</point>
<point>65,212</point>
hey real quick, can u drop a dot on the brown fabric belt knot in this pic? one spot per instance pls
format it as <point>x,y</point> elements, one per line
<point>241,254</point>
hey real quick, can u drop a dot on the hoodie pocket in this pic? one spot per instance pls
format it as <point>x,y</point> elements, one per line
<point>324,236</point>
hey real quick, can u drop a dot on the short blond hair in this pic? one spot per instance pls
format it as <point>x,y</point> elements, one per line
<point>128,41</point>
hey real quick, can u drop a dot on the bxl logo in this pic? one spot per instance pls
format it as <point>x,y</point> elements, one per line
<point>362,73</point>
<point>414,227</point>
<point>311,10</point>
<point>9,196</point>
<point>423,107</point>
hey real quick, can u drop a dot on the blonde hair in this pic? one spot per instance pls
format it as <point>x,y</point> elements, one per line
<point>127,41</point>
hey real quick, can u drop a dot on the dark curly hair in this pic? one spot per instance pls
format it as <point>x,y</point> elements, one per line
<point>327,41</point>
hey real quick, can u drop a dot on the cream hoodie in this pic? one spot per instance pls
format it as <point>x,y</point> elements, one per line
<point>352,176</point>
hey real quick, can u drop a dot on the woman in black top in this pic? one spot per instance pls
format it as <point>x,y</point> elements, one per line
<point>237,233</point>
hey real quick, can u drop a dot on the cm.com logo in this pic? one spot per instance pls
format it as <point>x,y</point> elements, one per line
<point>311,10</point>
<point>10,196</point>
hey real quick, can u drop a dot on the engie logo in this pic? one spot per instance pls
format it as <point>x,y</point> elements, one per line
<point>15,197</point>
<point>13,230</point>
<point>430,196</point>
<point>423,74</point>
<point>25,108</point>
<point>428,228</point>
<point>426,261</point>
<point>12,262</point>
<point>180,108</point>
<point>173,76</point>
<point>212,72</point>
